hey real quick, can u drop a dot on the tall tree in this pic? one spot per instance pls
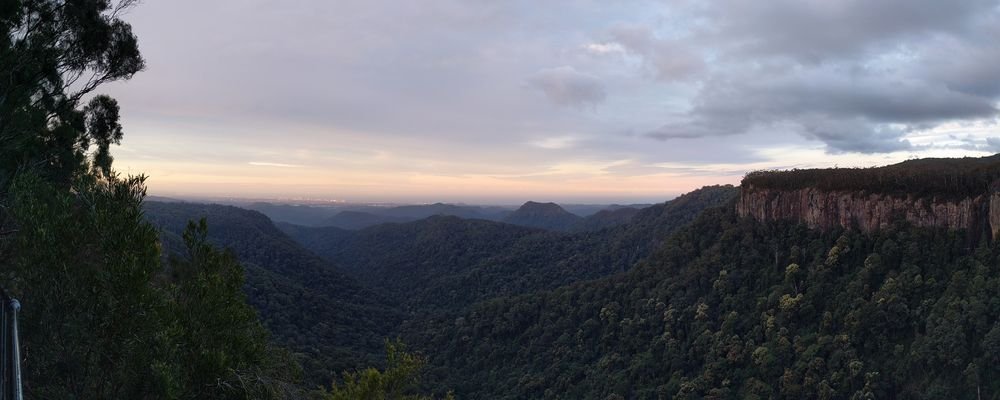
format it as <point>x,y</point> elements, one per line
<point>53,55</point>
<point>72,241</point>
<point>102,318</point>
<point>218,347</point>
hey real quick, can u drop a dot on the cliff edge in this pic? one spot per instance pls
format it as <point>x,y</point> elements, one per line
<point>941,193</point>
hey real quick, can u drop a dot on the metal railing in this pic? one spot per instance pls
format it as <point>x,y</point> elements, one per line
<point>10,349</point>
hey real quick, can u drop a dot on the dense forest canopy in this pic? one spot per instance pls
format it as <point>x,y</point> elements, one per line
<point>731,308</point>
<point>327,319</point>
<point>939,177</point>
<point>446,263</point>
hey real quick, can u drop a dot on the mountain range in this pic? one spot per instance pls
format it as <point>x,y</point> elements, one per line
<point>313,286</point>
<point>780,288</point>
<point>356,217</point>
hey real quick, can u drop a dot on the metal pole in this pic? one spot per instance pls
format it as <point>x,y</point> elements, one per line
<point>3,348</point>
<point>15,306</point>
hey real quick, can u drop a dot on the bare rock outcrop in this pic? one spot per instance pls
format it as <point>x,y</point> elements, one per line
<point>870,211</point>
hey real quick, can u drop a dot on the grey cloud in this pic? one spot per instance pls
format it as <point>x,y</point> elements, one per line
<point>637,38</point>
<point>878,97</point>
<point>443,68</point>
<point>703,126</point>
<point>674,61</point>
<point>861,112</point>
<point>856,136</point>
<point>681,131</point>
<point>989,144</point>
<point>668,59</point>
<point>566,86</point>
<point>964,66</point>
<point>993,144</point>
<point>458,78</point>
<point>819,30</point>
<point>858,76</point>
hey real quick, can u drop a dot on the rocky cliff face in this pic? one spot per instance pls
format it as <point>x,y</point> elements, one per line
<point>868,211</point>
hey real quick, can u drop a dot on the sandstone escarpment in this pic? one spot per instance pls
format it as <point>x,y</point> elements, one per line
<point>870,211</point>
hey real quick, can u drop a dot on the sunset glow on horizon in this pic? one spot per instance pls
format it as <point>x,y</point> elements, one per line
<point>571,101</point>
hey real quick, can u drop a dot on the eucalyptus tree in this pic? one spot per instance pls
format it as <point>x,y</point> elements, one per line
<point>103,318</point>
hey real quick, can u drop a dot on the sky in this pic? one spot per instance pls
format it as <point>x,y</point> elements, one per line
<point>559,100</point>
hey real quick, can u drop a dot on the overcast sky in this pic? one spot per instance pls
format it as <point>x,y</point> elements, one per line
<point>564,100</point>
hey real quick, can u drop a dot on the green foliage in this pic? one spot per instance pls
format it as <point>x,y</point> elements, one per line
<point>101,317</point>
<point>437,265</point>
<point>444,264</point>
<point>732,308</point>
<point>54,53</point>
<point>217,340</point>
<point>948,178</point>
<point>326,318</point>
<point>82,263</point>
<point>397,382</point>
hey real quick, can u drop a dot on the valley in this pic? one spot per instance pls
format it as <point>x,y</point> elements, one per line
<point>660,304</point>
<point>514,200</point>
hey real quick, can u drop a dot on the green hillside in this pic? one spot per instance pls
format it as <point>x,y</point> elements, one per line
<point>447,263</point>
<point>735,309</point>
<point>329,320</point>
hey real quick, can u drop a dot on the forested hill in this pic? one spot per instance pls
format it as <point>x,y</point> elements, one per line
<point>446,263</point>
<point>438,262</point>
<point>947,178</point>
<point>335,314</point>
<point>549,216</point>
<point>359,220</point>
<point>359,216</point>
<point>605,219</point>
<point>326,317</point>
<point>732,308</point>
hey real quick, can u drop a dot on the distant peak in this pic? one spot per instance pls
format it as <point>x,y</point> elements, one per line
<point>536,206</point>
<point>533,209</point>
<point>542,215</point>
